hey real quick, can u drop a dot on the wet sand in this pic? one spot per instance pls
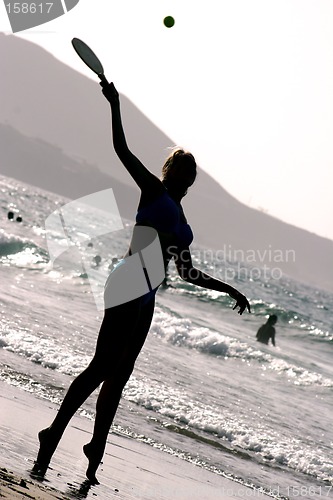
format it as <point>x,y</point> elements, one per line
<point>130,469</point>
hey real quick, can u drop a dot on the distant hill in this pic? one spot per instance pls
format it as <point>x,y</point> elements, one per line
<point>41,164</point>
<point>55,134</point>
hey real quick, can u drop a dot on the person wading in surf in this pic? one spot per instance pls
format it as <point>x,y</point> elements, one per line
<point>267,331</point>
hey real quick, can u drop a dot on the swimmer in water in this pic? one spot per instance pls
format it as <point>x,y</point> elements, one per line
<point>267,331</point>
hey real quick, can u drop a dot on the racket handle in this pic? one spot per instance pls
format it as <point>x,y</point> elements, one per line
<point>101,76</point>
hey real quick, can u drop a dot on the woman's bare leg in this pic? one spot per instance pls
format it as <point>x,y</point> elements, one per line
<point>109,350</point>
<point>110,393</point>
<point>106,407</point>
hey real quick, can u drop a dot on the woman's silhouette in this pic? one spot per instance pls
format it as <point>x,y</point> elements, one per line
<point>125,326</point>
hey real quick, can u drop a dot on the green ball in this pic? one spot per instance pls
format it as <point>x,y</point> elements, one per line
<point>169,21</point>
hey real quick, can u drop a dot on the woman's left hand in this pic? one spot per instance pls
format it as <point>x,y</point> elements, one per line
<point>241,302</point>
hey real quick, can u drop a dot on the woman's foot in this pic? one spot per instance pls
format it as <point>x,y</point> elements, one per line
<point>47,446</point>
<point>94,460</point>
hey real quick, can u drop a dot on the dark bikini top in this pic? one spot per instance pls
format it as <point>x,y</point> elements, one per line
<point>167,216</point>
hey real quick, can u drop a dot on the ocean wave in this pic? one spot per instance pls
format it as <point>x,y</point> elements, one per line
<point>181,332</point>
<point>260,441</point>
<point>293,308</point>
<point>21,251</point>
<point>10,244</point>
<point>27,383</point>
<point>298,375</point>
<point>306,324</point>
<point>43,351</point>
<point>320,335</point>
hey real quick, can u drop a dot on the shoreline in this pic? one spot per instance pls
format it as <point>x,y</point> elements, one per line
<point>130,470</point>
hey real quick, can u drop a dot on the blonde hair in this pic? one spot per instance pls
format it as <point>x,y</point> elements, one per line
<point>179,157</point>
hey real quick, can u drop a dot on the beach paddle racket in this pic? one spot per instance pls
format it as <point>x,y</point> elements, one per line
<point>89,58</point>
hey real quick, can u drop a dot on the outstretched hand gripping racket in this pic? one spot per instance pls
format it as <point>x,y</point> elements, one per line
<point>89,58</point>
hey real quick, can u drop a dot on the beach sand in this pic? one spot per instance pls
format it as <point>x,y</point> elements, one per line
<point>130,469</point>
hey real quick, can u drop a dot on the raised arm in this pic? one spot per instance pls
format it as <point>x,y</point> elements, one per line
<point>141,175</point>
<point>187,272</point>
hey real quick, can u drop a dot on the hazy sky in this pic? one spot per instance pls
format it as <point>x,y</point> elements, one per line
<point>246,85</point>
